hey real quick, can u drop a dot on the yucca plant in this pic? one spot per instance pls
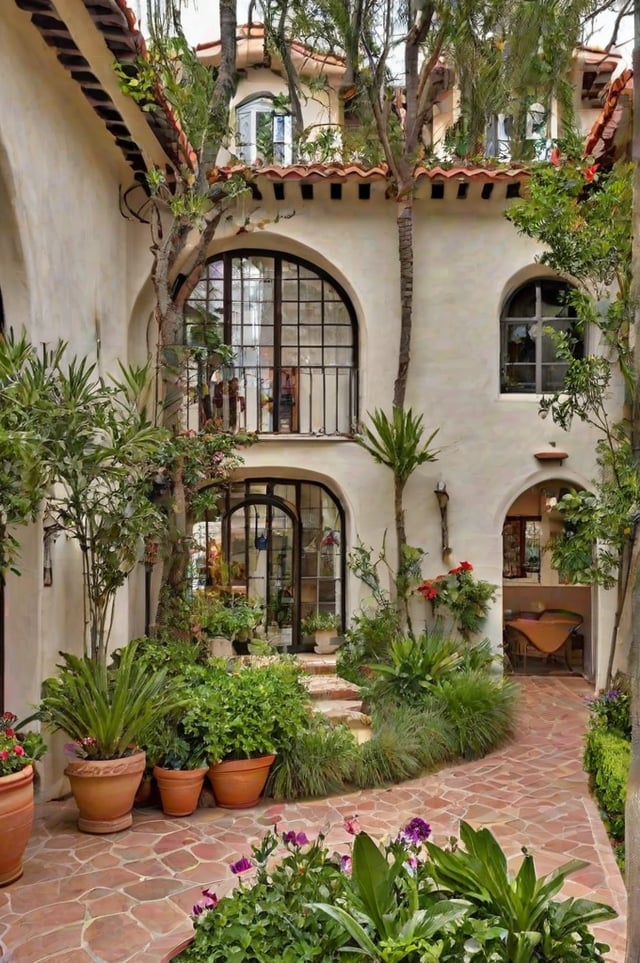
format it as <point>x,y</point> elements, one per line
<point>414,666</point>
<point>105,709</point>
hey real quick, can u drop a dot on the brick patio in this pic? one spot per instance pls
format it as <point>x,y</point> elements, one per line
<point>127,897</point>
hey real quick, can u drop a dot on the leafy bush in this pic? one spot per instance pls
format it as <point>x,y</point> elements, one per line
<point>612,710</point>
<point>319,622</point>
<point>174,654</point>
<point>391,904</point>
<point>368,640</point>
<point>464,596</point>
<point>405,743</point>
<point>479,707</point>
<point>105,709</point>
<point>319,761</point>
<point>607,757</point>
<point>270,918</point>
<point>248,710</point>
<point>414,666</point>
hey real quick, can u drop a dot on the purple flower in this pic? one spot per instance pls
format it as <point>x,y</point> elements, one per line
<point>292,838</point>
<point>209,902</point>
<point>346,865</point>
<point>416,831</point>
<point>241,866</point>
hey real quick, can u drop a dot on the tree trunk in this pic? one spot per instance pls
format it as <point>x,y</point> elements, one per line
<point>405,251</point>
<point>632,811</point>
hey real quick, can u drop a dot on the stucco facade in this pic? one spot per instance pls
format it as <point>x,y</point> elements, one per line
<point>74,265</point>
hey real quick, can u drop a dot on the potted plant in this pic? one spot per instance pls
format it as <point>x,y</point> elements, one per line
<point>232,621</point>
<point>18,753</point>
<point>179,763</point>
<point>105,710</point>
<point>243,717</point>
<point>323,626</point>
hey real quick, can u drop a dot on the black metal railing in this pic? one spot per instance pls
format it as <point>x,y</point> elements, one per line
<point>305,399</point>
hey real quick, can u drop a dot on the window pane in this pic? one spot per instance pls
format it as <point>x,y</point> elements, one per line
<point>519,377</point>
<point>523,304</point>
<point>553,376</point>
<point>289,290</point>
<point>554,301</point>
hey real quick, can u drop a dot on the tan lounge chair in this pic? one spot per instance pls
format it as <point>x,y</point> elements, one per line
<point>547,635</point>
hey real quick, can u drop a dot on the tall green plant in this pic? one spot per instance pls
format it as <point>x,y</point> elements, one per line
<point>398,442</point>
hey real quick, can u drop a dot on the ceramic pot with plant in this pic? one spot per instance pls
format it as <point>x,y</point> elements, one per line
<point>105,710</point>
<point>244,716</point>
<point>323,626</point>
<point>179,764</point>
<point>234,620</point>
<point>18,753</point>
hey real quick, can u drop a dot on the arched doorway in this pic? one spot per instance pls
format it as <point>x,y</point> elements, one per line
<point>279,542</point>
<point>535,592</point>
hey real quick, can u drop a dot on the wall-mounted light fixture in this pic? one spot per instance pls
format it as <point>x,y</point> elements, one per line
<point>442,496</point>
<point>50,532</point>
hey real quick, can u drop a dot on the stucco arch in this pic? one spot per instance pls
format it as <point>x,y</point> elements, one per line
<point>530,272</point>
<point>535,477</point>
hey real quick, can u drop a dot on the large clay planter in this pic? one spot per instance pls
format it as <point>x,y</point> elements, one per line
<point>238,783</point>
<point>16,820</point>
<point>104,790</point>
<point>179,789</point>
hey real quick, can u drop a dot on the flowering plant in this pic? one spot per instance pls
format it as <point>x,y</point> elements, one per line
<point>17,749</point>
<point>398,901</point>
<point>611,710</point>
<point>466,597</point>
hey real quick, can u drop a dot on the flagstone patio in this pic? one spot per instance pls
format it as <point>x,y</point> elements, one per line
<point>127,897</point>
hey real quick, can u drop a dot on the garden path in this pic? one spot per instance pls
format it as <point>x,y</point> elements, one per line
<point>125,898</point>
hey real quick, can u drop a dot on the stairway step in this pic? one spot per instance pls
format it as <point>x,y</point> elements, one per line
<point>317,664</point>
<point>331,687</point>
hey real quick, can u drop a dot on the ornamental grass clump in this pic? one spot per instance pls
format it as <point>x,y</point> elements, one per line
<point>403,900</point>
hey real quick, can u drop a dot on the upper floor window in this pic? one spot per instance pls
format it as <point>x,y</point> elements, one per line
<point>292,333</point>
<point>263,131</point>
<point>528,358</point>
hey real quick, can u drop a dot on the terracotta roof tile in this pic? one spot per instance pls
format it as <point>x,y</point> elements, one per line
<point>255,31</point>
<point>600,141</point>
<point>355,171</point>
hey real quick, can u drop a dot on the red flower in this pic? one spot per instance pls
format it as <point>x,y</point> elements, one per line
<point>455,571</point>
<point>466,567</point>
<point>4,754</point>
<point>352,826</point>
<point>19,751</point>
<point>10,732</point>
<point>555,157</point>
<point>590,173</point>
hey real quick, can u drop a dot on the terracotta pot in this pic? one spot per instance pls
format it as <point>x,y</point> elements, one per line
<point>179,789</point>
<point>104,790</point>
<point>238,783</point>
<point>16,820</point>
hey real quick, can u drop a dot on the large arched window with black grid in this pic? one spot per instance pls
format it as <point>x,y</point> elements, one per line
<point>274,342</point>
<point>529,360</point>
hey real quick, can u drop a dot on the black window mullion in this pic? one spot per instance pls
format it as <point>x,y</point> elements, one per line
<point>277,340</point>
<point>227,297</point>
<point>538,323</point>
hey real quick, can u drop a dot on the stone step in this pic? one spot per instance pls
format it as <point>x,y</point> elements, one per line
<point>347,713</point>
<point>318,664</point>
<point>331,687</point>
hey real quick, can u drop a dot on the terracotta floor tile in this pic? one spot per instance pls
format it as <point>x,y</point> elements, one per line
<point>131,890</point>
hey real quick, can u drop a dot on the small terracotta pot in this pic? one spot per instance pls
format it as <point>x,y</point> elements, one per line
<point>16,820</point>
<point>179,789</point>
<point>104,790</point>
<point>238,783</point>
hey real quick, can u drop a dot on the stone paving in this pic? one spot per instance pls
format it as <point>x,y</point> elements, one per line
<point>127,897</point>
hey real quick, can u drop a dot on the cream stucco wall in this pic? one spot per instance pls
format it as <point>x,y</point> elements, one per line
<point>72,267</point>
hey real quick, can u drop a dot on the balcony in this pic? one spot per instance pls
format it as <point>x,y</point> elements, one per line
<point>301,400</point>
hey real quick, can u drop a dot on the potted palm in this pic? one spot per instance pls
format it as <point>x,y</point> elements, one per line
<point>323,626</point>
<point>105,710</point>
<point>18,753</point>
<point>244,716</point>
<point>179,763</point>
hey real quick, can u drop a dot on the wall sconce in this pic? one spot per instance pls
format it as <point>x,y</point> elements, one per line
<point>442,496</point>
<point>51,530</point>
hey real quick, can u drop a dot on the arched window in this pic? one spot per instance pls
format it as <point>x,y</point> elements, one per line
<point>292,334</point>
<point>529,362</point>
<point>263,131</point>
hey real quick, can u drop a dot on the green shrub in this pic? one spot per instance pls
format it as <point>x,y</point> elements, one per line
<point>612,710</point>
<point>405,743</point>
<point>174,654</point>
<point>607,758</point>
<point>319,761</point>
<point>480,709</point>
<point>413,668</point>
<point>368,640</point>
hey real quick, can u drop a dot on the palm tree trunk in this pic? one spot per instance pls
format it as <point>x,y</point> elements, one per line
<point>405,252</point>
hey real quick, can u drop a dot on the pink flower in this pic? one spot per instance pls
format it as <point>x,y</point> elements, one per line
<point>346,865</point>
<point>241,866</point>
<point>352,826</point>
<point>4,754</point>
<point>19,751</point>
<point>10,733</point>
